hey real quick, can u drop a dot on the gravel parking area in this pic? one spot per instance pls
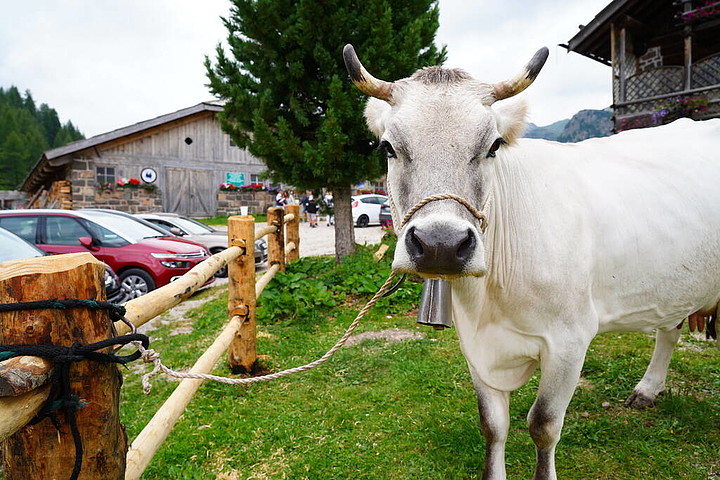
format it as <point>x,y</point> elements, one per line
<point>321,240</point>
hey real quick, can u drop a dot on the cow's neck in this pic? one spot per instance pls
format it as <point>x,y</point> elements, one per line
<point>507,201</point>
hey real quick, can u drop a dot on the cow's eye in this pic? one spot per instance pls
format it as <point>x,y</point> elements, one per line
<point>387,148</point>
<point>496,144</point>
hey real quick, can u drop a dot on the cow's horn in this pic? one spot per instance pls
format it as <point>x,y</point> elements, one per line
<point>362,79</point>
<point>520,82</point>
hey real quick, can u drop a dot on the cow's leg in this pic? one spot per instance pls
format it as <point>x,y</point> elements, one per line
<point>493,406</point>
<point>653,382</point>
<point>560,373</point>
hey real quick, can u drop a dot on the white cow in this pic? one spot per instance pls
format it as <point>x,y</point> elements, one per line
<point>610,234</point>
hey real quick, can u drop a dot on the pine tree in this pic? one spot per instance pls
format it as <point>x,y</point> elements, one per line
<point>25,132</point>
<point>14,151</point>
<point>288,98</point>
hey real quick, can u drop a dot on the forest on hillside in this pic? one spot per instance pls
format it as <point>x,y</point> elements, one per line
<point>26,131</point>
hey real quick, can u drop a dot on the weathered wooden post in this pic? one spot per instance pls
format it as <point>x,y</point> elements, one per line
<point>292,232</point>
<point>242,354</point>
<point>276,241</point>
<point>40,451</point>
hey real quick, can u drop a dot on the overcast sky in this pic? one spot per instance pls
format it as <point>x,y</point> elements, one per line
<point>106,65</point>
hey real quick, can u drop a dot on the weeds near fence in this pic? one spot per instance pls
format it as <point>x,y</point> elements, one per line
<point>381,410</point>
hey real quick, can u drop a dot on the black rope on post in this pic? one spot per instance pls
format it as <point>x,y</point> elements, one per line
<point>61,396</point>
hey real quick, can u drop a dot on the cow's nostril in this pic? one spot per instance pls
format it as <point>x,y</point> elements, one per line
<point>415,248</point>
<point>467,247</point>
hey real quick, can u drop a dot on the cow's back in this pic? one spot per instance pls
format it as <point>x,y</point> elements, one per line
<point>634,218</point>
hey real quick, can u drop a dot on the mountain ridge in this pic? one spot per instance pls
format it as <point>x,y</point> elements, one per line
<point>581,126</point>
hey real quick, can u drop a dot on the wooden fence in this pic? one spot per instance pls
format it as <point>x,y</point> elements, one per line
<point>42,450</point>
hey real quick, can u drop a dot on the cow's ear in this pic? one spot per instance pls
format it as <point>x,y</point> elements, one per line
<point>376,112</point>
<point>511,118</point>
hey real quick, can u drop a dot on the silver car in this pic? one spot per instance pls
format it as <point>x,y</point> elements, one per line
<point>214,240</point>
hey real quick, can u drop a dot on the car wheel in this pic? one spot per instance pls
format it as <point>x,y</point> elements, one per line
<point>136,282</point>
<point>223,272</point>
<point>363,221</point>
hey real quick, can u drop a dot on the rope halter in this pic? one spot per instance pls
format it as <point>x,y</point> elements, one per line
<point>446,196</point>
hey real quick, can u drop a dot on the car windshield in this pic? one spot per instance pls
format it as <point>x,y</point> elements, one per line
<point>15,248</point>
<point>124,226</point>
<point>189,225</point>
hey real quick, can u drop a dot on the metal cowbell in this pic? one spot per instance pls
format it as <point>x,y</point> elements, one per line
<point>436,304</point>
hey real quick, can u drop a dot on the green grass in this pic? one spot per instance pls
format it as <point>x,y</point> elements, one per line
<point>222,219</point>
<point>407,410</point>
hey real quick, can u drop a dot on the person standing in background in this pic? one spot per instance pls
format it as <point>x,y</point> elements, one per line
<point>330,206</point>
<point>303,204</point>
<point>311,209</point>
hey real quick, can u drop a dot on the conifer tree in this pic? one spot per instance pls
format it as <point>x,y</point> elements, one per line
<point>25,132</point>
<point>288,97</point>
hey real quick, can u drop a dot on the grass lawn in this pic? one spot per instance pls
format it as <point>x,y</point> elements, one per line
<point>223,220</point>
<point>407,410</point>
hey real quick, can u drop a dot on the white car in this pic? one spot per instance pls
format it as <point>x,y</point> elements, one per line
<point>366,208</point>
<point>214,240</point>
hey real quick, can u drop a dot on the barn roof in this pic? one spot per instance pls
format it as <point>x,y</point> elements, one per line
<point>655,19</point>
<point>52,161</point>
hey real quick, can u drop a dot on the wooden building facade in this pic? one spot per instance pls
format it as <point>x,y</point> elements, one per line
<point>174,163</point>
<point>665,58</point>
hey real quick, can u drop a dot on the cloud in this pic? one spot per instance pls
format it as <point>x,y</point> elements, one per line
<point>106,65</point>
<point>494,40</point>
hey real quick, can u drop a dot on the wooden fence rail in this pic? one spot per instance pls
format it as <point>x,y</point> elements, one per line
<point>23,380</point>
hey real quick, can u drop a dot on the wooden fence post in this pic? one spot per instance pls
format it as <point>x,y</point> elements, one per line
<point>40,451</point>
<point>292,232</point>
<point>276,241</point>
<point>242,354</point>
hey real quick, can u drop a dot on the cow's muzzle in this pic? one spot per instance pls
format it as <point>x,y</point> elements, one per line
<point>439,245</point>
<point>442,250</point>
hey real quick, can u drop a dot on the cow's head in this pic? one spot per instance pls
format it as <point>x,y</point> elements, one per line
<point>440,136</point>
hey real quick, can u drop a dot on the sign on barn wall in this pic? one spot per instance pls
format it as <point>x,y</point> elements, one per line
<point>237,179</point>
<point>190,192</point>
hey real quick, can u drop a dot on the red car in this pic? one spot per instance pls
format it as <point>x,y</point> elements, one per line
<point>143,257</point>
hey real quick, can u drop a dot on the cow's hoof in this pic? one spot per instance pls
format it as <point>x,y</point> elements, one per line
<point>639,400</point>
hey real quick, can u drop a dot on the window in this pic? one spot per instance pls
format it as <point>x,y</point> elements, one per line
<point>106,237</point>
<point>105,174</point>
<point>255,179</point>
<point>23,227</point>
<point>63,231</point>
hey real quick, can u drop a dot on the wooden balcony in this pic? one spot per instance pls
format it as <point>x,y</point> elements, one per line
<point>643,96</point>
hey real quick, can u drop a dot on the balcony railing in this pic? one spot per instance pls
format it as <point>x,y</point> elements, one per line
<point>648,92</point>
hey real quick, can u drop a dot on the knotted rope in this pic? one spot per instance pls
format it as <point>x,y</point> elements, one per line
<point>61,395</point>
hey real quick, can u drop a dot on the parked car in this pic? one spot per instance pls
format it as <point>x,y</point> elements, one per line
<point>366,208</point>
<point>385,215</point>
<point>144,257</point>
<point>16,248</point>
<point>214,240</point>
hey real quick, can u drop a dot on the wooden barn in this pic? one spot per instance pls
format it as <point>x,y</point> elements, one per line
<point>175,163</point>
<point>665,58</point>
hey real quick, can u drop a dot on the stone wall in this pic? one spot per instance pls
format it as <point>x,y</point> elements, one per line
<point>229,202</point>
<point>130,200</point>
